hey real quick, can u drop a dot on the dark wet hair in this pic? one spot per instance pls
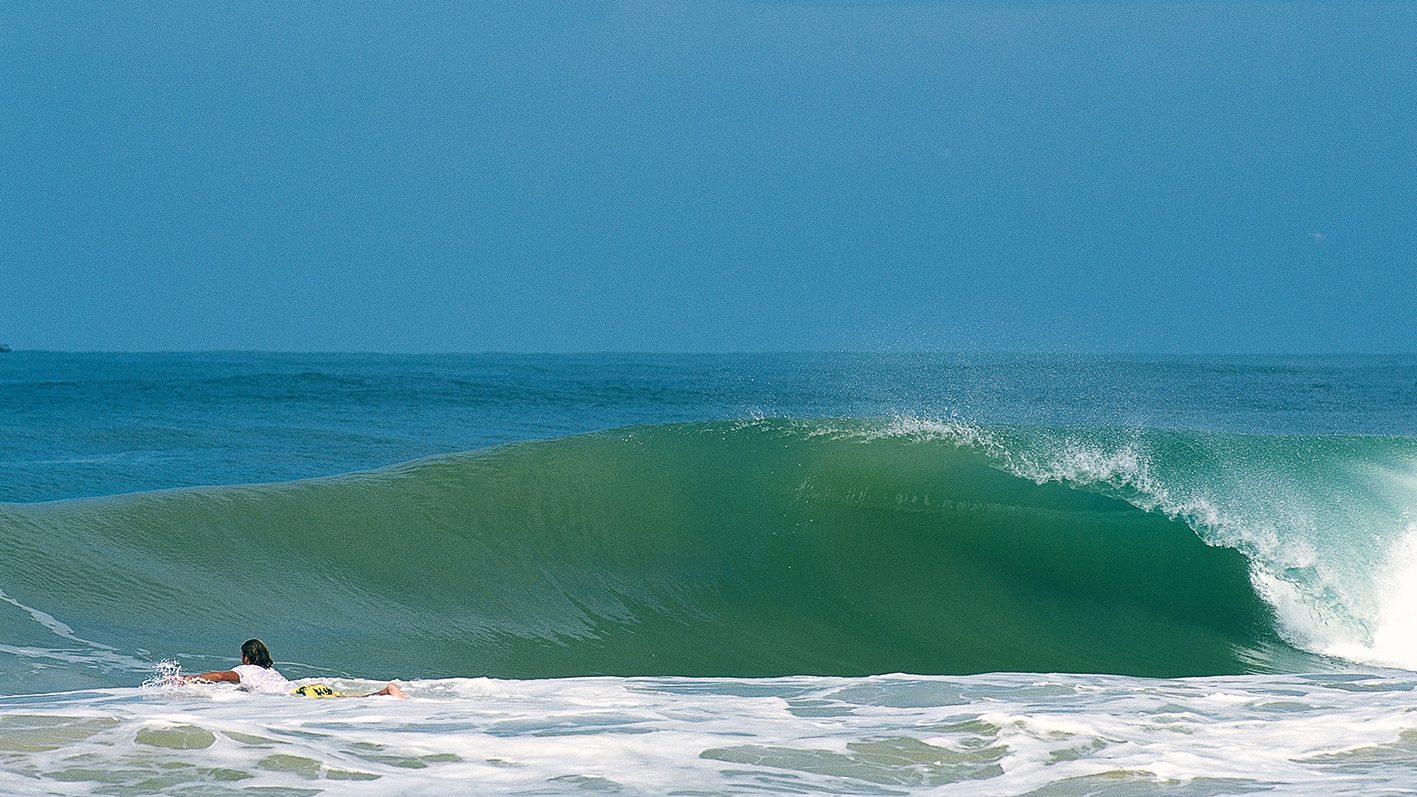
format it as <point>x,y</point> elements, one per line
<point>256,652</point>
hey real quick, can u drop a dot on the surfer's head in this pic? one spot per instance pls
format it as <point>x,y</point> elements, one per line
<point>254,651</point>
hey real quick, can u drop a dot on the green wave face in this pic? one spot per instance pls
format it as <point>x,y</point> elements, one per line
<point>715,549</point>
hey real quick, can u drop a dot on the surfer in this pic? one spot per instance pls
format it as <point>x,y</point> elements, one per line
<point>257,673</point>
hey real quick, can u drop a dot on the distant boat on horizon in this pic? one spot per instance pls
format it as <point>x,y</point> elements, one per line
<point>5,349</point>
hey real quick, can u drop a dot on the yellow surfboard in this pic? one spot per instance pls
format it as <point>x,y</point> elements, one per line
<point>319,691</point>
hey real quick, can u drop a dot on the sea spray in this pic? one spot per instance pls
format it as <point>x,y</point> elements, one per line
<point>1394,635</point>
<point>167,674</point>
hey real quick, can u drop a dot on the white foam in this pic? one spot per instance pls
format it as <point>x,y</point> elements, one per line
<point>986,735</point>
<point>1394,637</point>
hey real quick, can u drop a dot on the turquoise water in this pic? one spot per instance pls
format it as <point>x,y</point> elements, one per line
<point>1146,525</point>
<point>75,425</point>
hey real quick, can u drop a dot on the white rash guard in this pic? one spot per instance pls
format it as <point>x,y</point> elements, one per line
<point>265,680</point>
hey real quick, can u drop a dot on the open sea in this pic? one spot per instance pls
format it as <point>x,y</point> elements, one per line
<point>868,574</point>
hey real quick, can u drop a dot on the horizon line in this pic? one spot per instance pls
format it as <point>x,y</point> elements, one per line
<point>734,352</point>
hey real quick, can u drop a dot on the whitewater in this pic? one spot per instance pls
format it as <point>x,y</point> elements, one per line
<point>672,574</point>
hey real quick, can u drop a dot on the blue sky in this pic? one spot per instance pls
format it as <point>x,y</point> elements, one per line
<point>706,176</point>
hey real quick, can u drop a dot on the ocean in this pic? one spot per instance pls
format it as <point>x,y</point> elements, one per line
<point>875,574</point>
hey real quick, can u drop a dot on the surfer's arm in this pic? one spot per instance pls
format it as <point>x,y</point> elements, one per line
<point>225,676</point>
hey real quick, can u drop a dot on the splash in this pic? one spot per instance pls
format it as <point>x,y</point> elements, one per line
<point>167,674</point>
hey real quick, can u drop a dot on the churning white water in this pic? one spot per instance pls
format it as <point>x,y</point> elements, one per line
<point>1002,734</point>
